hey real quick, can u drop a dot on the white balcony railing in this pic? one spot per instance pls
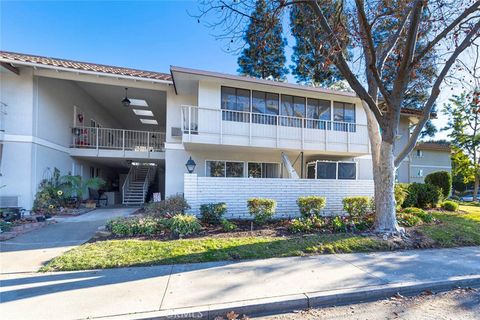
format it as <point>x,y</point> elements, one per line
<point>206,125</point>
<point>118,139</point>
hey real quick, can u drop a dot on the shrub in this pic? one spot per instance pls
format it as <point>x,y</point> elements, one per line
<point>401,193</point>
<point>450,205</point>
<point>136,226</point>
<point>356,207</point>
<point>261,209</point>
<point>183,224</point>
<point>228,226</point>
<point>5,226</point>
<point>212,213</point>
<point>408,220</point>
<point>441,179</point>
<point>311,206</point>
<point>169,207</point>
<point>422,195</point>
<point>306,225</point>
<point>338,224</point>
<point>426,217</point>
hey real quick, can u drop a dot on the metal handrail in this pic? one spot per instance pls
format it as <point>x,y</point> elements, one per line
<point>118,139</point>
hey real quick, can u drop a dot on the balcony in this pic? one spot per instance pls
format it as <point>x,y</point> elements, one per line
<point>238,128</point>
<point>108,142</point>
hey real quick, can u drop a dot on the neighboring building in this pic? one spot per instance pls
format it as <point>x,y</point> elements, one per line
<point>427,157</point>
<point>69,115</point>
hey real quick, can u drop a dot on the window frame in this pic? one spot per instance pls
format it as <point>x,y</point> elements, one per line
<point>225,168</point>
<point>336,168</point>
<point>343,114</point>
<point>261,169</point>
<point>236,98</point>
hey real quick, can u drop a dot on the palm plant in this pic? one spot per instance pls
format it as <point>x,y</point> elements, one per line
<point>75,186</point>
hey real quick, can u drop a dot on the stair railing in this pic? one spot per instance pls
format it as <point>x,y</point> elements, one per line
<point>126,183</point>
<point>148,180</point>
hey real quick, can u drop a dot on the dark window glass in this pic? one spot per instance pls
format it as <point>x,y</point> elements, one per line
<point>259,103</point>
<point>235,99</point>
<point>349,113</point>
<point>311,171</point>
<point>318,112</point>
<point>234,169</point>
<point>338,111</point>
<point>254,170</point>
<point>229,99</point>
<point>287,106</point>
<point>243,100</point>
<point>272,103</point>
<point>215,169</point>
<point>299,107</point>
<point>347,171</point>
<point>326,170</point>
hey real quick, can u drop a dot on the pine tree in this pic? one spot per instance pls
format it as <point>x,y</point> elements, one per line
<point>310,64</point>
<point>264,56</point>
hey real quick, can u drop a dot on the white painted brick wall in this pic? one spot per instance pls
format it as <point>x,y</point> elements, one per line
<point>236,191</point>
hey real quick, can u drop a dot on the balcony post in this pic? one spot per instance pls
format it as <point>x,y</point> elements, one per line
<point>123,140</point>
<point>221,126</point>
<point>250,129</point>
<point>148,143</point>
<point>96,138</point>
<point>190,123</point>
<point>303,133</point>
<point>348,137</point>
<point>277,129</point>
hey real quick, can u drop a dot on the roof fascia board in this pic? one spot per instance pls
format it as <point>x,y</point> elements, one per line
<point>100,74</point>
<point>174,69</point>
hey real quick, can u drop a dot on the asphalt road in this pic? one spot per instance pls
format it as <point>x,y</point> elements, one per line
<point>458,304</point>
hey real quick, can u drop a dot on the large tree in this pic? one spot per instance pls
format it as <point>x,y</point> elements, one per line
<point>310,57</point>
<point>264,55</point>
<point>453,25</point>
<point>464,124</point>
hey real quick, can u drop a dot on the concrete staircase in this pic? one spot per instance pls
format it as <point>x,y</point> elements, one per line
<point>137,183</point>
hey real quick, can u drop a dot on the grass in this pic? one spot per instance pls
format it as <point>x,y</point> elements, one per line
<point>454,229</point>
<point>124,253</point>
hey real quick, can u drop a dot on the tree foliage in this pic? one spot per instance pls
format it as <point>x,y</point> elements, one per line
<point>311,64</point>
<point>264,56</point>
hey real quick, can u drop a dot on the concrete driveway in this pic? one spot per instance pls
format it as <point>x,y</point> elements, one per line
<point>28,252</point>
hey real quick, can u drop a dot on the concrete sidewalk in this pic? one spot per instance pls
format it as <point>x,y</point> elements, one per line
<point>249,286</point>
<point>28,252</point>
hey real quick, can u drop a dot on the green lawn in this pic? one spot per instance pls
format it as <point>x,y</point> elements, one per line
<point>123,253</point>
<point>455,229</point>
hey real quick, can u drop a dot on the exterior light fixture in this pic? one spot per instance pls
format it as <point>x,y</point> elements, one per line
<point>126,101</point>
<point>190,165</point>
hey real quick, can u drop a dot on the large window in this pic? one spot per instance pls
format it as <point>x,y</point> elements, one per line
<point>318,113</point>
<point>263,170</point>
<point>345,113</point>
<point>332,170</point>
<point>347,171</point>
<point>292,106</point>
<point>236,103</point>
<point>264,107</point>
<point>229,169</point>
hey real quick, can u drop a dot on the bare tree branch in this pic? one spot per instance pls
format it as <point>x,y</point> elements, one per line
<point>474,7</point>
<point>427,109</point>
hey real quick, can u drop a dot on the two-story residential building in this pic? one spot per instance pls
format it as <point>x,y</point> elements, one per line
<point>137,129</point>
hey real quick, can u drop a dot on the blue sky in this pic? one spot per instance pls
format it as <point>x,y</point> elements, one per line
<point>149,35</point>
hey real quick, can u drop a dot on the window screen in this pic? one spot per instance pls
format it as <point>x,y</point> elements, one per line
<point>326,170</point>
<point>347,171</point>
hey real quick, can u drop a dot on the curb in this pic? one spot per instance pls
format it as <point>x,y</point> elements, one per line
<point>301,301</point>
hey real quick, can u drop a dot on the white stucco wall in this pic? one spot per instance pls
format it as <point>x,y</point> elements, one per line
<point>236,191</point>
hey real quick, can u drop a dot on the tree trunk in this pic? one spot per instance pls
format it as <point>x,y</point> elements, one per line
<point>475,188</point>
<point>383,177</point>
<point>384,180</point>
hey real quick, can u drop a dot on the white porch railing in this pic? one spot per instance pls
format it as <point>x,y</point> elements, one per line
<point>3,114</point>
<point>118,139</point>
<point>206,125</point>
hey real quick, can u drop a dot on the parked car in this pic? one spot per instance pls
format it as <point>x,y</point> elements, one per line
<point>468,196</point>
